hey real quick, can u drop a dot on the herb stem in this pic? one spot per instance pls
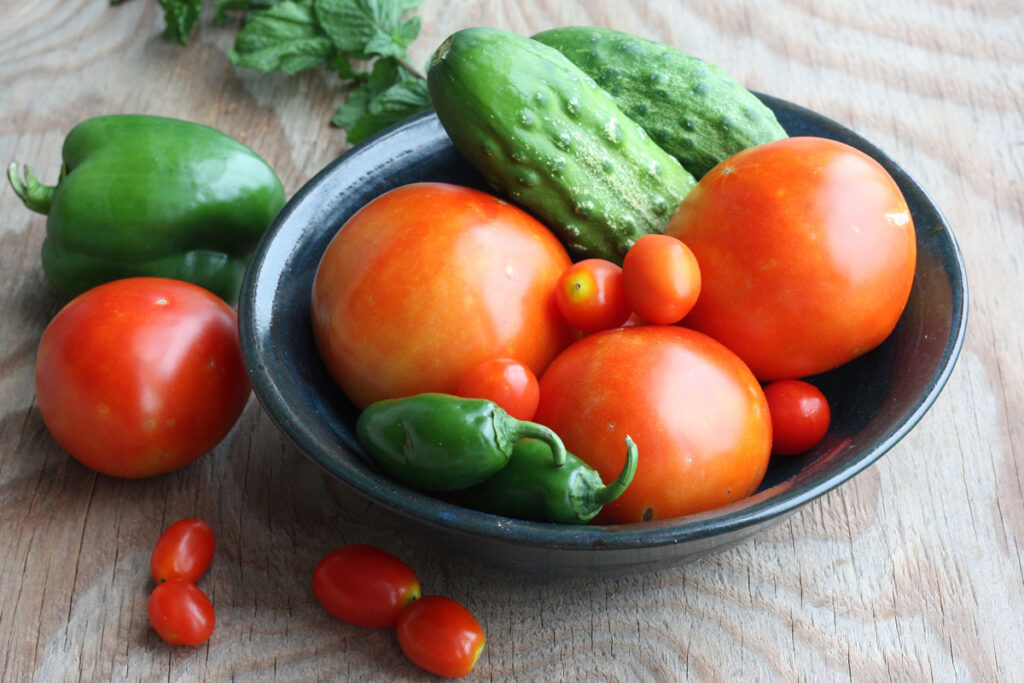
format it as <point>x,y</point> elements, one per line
<point>409,67</point>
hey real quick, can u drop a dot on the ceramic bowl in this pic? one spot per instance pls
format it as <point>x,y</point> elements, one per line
<point>875,400</point>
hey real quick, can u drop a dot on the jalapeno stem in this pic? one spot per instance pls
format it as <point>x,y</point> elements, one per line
<point>523,429</point>
<point>616,488</point>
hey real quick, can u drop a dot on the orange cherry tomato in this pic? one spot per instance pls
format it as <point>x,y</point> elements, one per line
<point>181,613</point>
<point>430,279</point>
<point>695,411</point>
<point>183,551</point>
<point>590,295</point>
<point>800,415</point>
<point>364,585</point>
<point>807,252</point>
<point>507,382</point>
<point>661,279</point>
<point>441,636</point>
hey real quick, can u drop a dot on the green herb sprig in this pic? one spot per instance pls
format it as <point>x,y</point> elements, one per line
<point>365,42</point>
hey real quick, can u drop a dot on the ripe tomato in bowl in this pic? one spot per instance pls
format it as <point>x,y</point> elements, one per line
<point>430,279</point>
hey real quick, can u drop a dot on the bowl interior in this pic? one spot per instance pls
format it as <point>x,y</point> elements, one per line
<point>875,399</point>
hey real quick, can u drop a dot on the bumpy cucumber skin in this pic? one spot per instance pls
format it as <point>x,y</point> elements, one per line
<point>695,110</point>
<point>546,135</point>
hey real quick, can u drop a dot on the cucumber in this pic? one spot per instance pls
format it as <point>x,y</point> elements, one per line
<point>543,133</point>
<point>695,110</point>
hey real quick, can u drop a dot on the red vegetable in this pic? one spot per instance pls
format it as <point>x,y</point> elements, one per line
<point>364,585</point>
<point>440,635</point>
<point>183,551</point>
<point>590,295</point>
<point>507,382</point>
<point>430,279</point>
<point>181,613</point>
<point>661,279</point>
<point>141,376</point>
<point>807,253</point>
<point>800,415</point>
<point>696,412</point>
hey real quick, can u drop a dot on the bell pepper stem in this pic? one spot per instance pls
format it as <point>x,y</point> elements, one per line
<point>525,429</point>
<point>617,487</point>
<point>36,196</point>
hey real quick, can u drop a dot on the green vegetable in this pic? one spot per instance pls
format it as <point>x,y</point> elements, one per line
<point>439,442</point>
<point>694,110</point>
<point>531,487</point>
<point>180,17</point>
<point>296,35</point>
<point>146,195</point>
<point>542,131</point>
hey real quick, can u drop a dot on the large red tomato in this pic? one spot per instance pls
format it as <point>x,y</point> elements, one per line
<point>141,376</point>
<point>429,280</point>
<point>806,250</point>
<point>697,414</point>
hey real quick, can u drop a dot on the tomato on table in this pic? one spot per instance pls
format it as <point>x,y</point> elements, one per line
<point>181,613</point>
<point>800,415</point>
<point>364,585</point>
<point>184,551</point>
<point>441,636</point>
<point>590,295</point>
<point>430,279</point>
<point>697,414</point>
<point>141,376</point>
<point>807,253</point>
<point>661,279</point>
<point>505,381</point>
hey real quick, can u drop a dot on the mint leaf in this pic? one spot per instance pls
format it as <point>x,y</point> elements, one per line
<point>368,28</point>
<point>342,65</point>
<point>180,18</point>
<point>222,7</point>
<point>285,37</point>
<point>389,96</point>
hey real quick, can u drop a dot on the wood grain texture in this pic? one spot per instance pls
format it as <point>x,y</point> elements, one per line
<point>912,571</point>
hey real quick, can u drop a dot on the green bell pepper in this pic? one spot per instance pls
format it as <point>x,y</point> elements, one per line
<point>148,195</point>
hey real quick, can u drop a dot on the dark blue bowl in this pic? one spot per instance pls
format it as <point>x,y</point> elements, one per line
<point>875,400</point>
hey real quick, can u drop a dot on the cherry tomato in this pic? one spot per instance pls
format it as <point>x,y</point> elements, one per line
<point>697,414</point>
<point>800,415</point>
<point>141,376</point>
<point>440,635</point>
<point>590,295</point>
<point>661,279</point>
<point>364,585</point>
<point>183,551</point>
<point>507,382</point>
<point>430,279</point>
<point>181,613</point>
<point>807,252</point>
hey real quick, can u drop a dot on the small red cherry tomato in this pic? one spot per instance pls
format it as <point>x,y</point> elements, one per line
<point>183,551</point>
<point>661,279</point>
<point>590,296</point>
<point>800,415</point>
<point>440,635</point>
<point>364,585</point>
<point>181,613</point>
<point>507,382</point>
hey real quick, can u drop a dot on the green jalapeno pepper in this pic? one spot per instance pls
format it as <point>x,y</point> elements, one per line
<point>148,195</point>
<point>440,442</point>
<point>531,488</point>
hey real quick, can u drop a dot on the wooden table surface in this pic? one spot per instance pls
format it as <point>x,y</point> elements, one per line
<point>914,570</point>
